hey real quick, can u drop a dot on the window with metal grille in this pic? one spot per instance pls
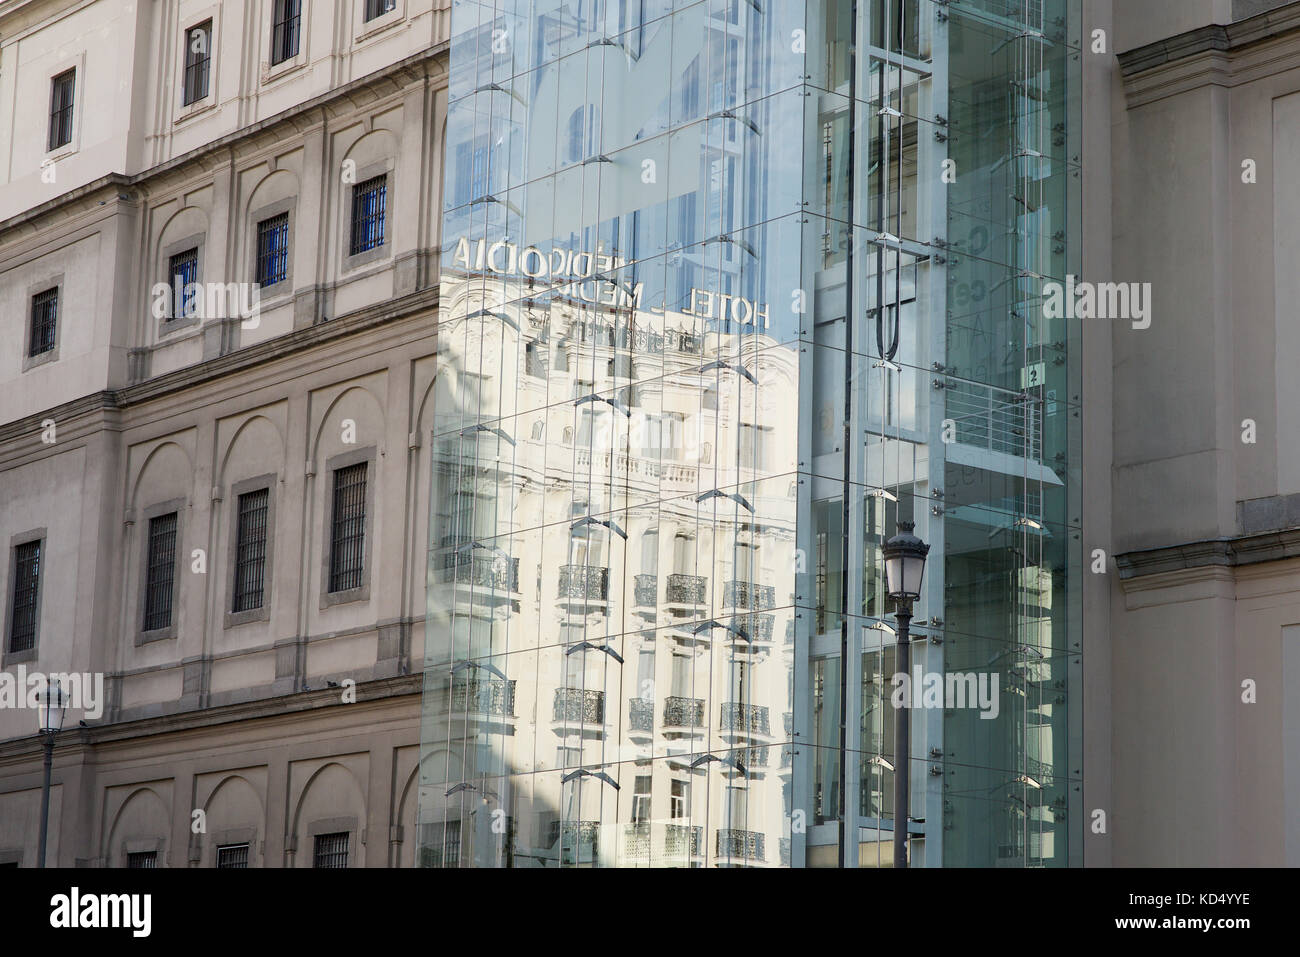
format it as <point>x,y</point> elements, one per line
<point>183,268</point>
<point>45,316</point>
<point>369,206</point>
<point>160,572</point>
<point>62,88</point>
<point>331,850</point>
<point>377,8</point>
<point>273,250</point>
<point>286,25</point>
<point>27,585</point>
<point>148,859</point>
<point>348,528</point>
<point>250,550</point>
<point>232,855</point>
<point>198,62</point>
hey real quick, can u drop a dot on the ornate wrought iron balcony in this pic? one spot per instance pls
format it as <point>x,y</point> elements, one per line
<point>753,758</point>
<point>681,840</point>
<point>482,569</point>
<point>683,712</point>
<point>575,705</point>
<point>758,627</point>
<point>745,718</point>
<point>743,844</point>
<point>583,582</point>
<point>483,696</point>
<point>580,836</point>
<point>641,714</point>
<point>636,839</point>
<point>686,589</point>
<point>748,595</point>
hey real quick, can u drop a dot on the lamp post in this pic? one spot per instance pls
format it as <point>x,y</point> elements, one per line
<point>51,703</point>
<point>904,556</point>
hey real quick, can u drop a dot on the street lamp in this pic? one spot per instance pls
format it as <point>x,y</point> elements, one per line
<point>51,703</point>
<point>904,556</point>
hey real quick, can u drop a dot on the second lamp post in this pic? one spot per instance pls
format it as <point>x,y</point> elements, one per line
<point>904,556</point>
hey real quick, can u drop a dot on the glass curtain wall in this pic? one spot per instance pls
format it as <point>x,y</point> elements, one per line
<point>701,282</point>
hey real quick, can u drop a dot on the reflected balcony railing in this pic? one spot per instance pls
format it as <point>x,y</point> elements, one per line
<point>757,627</point>
<point>686,589</point>
<point>645,591</point>
<point>787,722</point>
<point>574,705</point>
<point>484,570</point>
<point>785,851</point>
<point>484,696</point>
<point>637,469</point>
<point>636,839</point>
<point>682,840</point>
<point>683,712</point>
<point>738,594</point>
<point>579,839</point>
<point>583,582</point>
<point>754,758</point>
<point>747,845</point>
<point>641,715</point>
<point>744,718</point>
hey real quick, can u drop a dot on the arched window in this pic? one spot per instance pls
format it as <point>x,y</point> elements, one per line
<point>583,134</point>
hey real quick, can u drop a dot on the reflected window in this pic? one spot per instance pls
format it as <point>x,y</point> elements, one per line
<point>679,799</point>
<point>641,799</point>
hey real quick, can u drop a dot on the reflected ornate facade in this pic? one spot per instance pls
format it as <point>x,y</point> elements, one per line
<point>728,290</point>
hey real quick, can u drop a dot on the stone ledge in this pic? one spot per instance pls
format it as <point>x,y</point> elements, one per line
<point>1231,552</point>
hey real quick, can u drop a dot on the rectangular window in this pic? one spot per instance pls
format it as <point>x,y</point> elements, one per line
<point>331,850</point>
<point>679,801</point>
<point>472,170</point>
<point>62,88</point>
<point>144,859</point>
<point>369,206</point>
<point>348,528</point>
<point>183,269</point>
<point>441,845</point>
<point>286,25</point>
<point>641,799</point>
<point>198,62</point>
<point>160,572</point>
<point>250,551</point>
<point>233,856</point>
<point>377,8</point>
<point>273,250</point>
<point>754,440</point>
<point>45,316</point>
<point>27,584</point>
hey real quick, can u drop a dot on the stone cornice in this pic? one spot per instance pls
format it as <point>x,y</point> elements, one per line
<point>1227,552</point>
<point>187,378</point>
<point>1211,39</point>
<point>369,692</point>
<point>369,88</point>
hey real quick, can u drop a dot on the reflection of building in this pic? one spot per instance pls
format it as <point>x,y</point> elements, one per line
<point>709,329</point>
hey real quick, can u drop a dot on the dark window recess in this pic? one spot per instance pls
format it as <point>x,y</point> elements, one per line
<point>348,528</point>
<point>233,856</point>
<point>45,317</point>
<point>377,8</point>
<point>472,170</point>
<point>147,859</point>
<point>250,551</point>
<point>183,268</point>
<point>27,585</point>
<point>198,62</point>
<point>369,206</point>
<point>273,250</point>
<point>160,572</point>
<point>286,27</point>
<point>331,850</point>
<point>62,88</point>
